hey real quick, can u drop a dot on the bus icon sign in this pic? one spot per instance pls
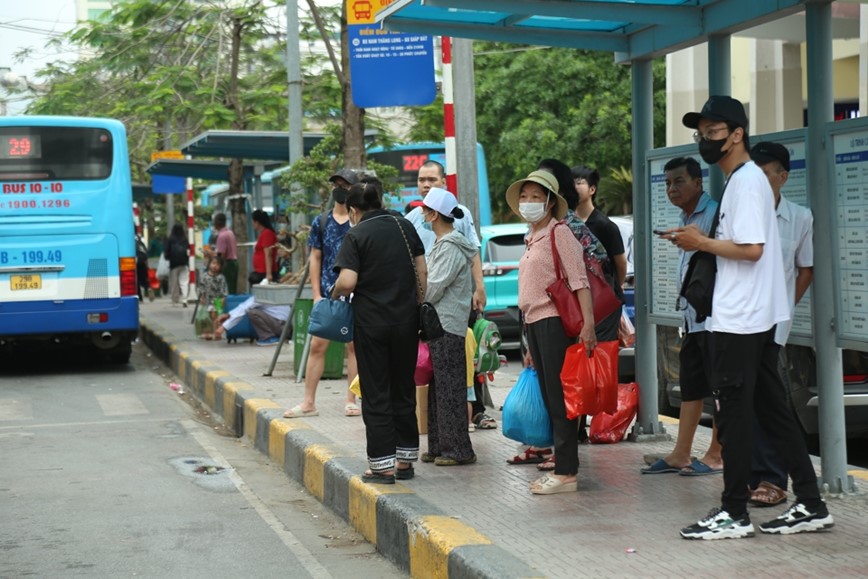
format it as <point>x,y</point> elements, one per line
<point>362,10</point>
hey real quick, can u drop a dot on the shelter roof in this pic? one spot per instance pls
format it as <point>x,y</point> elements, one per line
<point>207,170</point>
<point>630,28</point>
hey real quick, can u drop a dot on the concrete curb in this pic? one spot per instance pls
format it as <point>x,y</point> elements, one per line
<point>411,532</point>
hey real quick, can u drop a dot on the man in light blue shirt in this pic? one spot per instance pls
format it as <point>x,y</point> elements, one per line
<point>431,175</point>
<point>684,189</point>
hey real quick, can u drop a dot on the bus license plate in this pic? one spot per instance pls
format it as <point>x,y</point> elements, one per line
<point>26,282</point>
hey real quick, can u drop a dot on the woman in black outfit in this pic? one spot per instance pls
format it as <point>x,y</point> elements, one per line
<point>376,264</point>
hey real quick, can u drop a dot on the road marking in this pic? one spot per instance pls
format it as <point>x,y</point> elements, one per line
<point>16,409</point>
<point>121,404</point>
<point>80,424</point>
<point>305,557</point>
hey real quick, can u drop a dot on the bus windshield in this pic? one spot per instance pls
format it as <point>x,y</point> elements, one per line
<point>62,153</point>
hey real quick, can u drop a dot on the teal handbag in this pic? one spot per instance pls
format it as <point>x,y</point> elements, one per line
<point>331,320</point>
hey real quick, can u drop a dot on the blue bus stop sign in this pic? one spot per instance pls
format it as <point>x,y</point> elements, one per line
<point>387,69</point>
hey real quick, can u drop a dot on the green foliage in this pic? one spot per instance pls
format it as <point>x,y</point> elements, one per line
<point>615,193</point>
<point>311,173</point>
<point>571,105</point>
<point>428,121</point>
<point>165,64</point>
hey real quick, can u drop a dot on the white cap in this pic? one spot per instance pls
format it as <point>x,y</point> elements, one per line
<point>440,200</point>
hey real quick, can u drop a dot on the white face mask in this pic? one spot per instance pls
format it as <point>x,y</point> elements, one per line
<point>532,212</point>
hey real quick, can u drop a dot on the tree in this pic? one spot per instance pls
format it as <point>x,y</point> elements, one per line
<point>534,102</point>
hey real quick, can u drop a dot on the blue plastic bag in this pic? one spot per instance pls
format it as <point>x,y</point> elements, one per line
<point>525,417</point>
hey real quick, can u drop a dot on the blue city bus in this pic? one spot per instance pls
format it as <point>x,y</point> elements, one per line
<point>67,240</point>
<point>410,157</point>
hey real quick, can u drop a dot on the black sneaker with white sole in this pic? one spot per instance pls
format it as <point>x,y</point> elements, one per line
<point>800,519</point>
<point>719,525</point>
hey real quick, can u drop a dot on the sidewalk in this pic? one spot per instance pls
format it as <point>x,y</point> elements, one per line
<point>481,520</point>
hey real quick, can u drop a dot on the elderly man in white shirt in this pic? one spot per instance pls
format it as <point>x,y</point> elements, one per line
<point>795,228</point>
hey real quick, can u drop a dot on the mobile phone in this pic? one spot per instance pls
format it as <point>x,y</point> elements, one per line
<point>660,232</point>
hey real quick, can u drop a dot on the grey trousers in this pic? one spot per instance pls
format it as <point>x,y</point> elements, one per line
<point>264,325</point>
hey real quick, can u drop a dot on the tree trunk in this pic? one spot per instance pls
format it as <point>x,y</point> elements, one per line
<point>236,166</point>
<point>354,117</point>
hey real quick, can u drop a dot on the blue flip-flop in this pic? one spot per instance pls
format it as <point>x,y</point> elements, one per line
<point>699,468</point>
<point>660,467</point>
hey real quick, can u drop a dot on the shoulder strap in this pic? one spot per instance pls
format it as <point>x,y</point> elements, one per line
<point>323,218</point>
<point>555,255</point>
<point>716,220</point>
<point>421,293</point>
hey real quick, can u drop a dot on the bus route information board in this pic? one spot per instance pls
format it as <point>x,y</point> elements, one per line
<point>851,190</point>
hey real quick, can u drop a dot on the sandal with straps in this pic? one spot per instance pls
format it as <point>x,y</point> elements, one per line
<point>531,456</point>
<point>484,421</point>
<point>767,495</point>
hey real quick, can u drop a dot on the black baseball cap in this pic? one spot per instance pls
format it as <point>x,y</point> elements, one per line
<point>766,152</point>
<point>718,108</point>
<point>347,175</point>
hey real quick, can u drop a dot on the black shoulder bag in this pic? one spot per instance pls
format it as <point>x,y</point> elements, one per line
<point>429,322</point>
<point>698,285</point>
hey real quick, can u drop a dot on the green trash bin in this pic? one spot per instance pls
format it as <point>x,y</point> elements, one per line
<point>334,360</point>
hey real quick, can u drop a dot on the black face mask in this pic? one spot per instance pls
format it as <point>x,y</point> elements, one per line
<point>339,194</point>
<point>711,152</point>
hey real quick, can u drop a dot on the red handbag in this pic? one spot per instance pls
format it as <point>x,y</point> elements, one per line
<point>604,299</point>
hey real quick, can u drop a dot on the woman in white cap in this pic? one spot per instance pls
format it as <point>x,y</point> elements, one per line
<point>536,200</point>
<point>450,289</point>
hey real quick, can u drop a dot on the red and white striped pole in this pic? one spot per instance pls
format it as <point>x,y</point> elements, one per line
<point>137,221</point>
<point>191,232</point>
<point>449,116</point>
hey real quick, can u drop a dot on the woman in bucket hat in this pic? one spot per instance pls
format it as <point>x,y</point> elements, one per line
<point>535,199</point>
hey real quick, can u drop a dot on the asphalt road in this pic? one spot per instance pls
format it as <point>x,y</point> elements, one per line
<point>105,473</point>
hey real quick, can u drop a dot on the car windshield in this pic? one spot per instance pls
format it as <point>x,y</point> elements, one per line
<point>506,248</point>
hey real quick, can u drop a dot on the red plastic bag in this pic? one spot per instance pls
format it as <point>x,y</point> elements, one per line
<point>611,428</point>
<point>424,366</point>
<point>590,384</point>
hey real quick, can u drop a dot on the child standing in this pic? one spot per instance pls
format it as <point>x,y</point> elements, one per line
<point>212,293</point>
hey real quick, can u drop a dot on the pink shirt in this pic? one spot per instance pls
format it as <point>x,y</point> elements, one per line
<point>226,245</point>
<point>536,270</point>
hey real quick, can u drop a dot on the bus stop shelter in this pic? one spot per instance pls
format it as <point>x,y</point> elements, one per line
<point>638,31</point>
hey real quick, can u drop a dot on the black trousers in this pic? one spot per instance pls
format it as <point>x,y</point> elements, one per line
<point>548,346</point>
<point>745,381</point>
<point>386,357</point>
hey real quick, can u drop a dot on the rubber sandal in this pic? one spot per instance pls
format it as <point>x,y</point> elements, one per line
<point>352,409</point>
<point>549,485</point>
<point>405,473</point>
<point>471,427</point>
<point>531,456</point>
<point>767,495</point>
<point>377,478</point>
<point>661,467</point>
<point>549,464</point>
<point>428,457</point>
<point>483,421</point>
<point>297,412</point>
<point>446,461</point>
<point>699,468</point>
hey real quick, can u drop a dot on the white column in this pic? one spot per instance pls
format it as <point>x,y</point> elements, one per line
<point>775,86</point>
<point>686,90</point>
<point>863,60</point>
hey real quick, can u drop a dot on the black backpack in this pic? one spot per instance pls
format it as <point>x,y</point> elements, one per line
<point>177,253</point>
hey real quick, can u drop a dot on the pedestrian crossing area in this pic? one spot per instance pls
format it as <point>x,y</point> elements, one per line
<point>22,408</point>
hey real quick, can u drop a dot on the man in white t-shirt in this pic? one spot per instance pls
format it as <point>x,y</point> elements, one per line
<point>431,174</point>
<point>796,227</point>
<point>750,299</point>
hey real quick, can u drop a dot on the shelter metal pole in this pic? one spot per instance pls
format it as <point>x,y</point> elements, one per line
<point>647,425</point>
<point>833,440</point>
<point>296,127</point>
<point>719,83</point>
<point>288,325</point>
<point>464,92</point>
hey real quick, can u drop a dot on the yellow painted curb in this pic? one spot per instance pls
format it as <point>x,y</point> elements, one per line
<point>277,430</point>
<point>209,390</point>
<point>667,419</point>
<point>432,538</point>
<point>315,457</point>
<point>230,390</point>
<point>251,407</point>
<point>860,474</point>
<point>363,505</point>
<point>182,366</point>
